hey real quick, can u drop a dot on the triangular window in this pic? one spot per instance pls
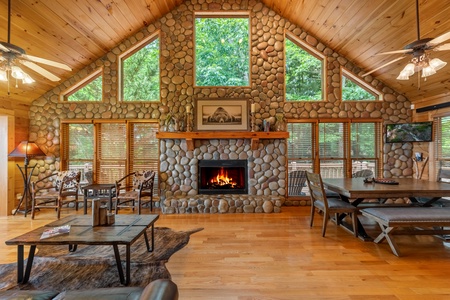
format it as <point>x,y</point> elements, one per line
<point>90,89</point>
<point>354,89</point>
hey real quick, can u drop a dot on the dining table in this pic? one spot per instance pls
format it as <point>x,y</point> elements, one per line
<point>356,190</point>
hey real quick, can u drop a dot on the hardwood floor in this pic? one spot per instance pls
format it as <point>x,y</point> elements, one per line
<point>278,256</point>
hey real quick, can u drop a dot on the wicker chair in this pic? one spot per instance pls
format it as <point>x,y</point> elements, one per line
<point>54,190</point>
<point>136,194</point>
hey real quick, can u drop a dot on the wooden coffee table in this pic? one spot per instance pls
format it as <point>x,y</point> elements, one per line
<point>125,231</point>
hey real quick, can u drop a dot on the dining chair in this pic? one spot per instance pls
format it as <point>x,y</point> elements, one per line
<point>330,206</point>
<point>55,190</point>
<point>135,190</point>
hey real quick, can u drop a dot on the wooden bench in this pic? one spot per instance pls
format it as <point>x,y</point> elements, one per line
<point>411,220</point>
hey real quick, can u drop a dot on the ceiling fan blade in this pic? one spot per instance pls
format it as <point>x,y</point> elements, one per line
<point>440,39</point>
<point>442,47</point>
<point>46,61</point>
<point>3,48</point>
<point>395,52</point>
<point>40,70</point>
<point>382,66</point>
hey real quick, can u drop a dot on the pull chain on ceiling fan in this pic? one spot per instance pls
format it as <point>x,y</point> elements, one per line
<point>419,49</point>
<point>12,57</point>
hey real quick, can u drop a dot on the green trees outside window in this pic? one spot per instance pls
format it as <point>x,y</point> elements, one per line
<point>351,91</point>
<point>304,74</point>
<point>222,51</point>
<point>141,74</point>
<point>92,91</point>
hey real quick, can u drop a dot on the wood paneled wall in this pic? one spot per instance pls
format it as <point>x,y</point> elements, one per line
<point>14,127</point>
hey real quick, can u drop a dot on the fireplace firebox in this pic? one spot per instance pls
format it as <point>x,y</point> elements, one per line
<point>222,177</point>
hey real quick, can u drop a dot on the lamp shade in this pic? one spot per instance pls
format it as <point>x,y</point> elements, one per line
<point>428,71</point>
<point>437,64</point>
<point>26,149</point>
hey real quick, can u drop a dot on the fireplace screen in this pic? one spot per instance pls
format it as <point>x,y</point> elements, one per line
<point>222,177</point>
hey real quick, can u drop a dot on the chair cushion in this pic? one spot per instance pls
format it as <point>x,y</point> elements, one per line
<point>337,203</point>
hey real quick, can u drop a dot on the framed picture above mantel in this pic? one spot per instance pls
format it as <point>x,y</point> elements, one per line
<point>221,115</point>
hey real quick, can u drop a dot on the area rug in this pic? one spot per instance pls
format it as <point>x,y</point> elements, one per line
<point>55,268</point>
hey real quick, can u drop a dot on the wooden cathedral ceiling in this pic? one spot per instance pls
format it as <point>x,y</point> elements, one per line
<point>77,32</point>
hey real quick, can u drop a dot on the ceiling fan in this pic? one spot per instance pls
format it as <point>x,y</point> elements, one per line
<point>419,49</point>
<point>12,57</point>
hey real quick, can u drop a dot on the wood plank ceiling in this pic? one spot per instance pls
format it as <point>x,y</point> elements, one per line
<point>78,32</point>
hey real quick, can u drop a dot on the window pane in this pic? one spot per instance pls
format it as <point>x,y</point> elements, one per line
<point>363,140</point>
<point>112,152</point>
<point>81,149</point>
<point>444,139</point>
<point>89,92</point>
<point>332,168</point>
<point>141,74</point>
<point>303,74</point>
<point>352,91</point>
<point>222,51</point>
<point>331,140</point>
<point>145,149</point>
<point>364,167</point>
<point>300,144</point>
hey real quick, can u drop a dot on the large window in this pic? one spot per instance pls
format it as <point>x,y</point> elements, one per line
<point>335,149</point>
<point>140,73</point>
<point>109,150</point>
<point>222,51</point>
<point>304,73</point>
<point>80,158</point>
<point>442,141</point>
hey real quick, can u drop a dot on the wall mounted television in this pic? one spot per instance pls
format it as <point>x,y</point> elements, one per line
<point>409,132</point>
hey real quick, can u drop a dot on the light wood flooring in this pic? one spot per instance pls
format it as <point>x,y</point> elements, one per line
<point>278,256</point>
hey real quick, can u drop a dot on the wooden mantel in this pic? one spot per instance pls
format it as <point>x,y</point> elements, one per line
<point>210,135</point>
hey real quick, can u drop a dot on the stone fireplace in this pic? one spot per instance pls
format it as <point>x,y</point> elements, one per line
<point>222,177</point>
<point>266,164</point>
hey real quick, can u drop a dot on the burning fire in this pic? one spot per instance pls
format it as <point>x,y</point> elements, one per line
<point>222,179</point>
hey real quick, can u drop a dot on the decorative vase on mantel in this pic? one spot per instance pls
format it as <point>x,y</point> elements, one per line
<point>280,124</point>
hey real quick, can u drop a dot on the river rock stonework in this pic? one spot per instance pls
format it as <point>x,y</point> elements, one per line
<point>178,89</point>
<point>211,204</point>
<point>179,166</point>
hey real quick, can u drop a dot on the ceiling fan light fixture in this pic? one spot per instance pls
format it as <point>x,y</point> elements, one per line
<point>3,75</point>
<point>17,72</point>
<point>403,75</point>
<point>428,71</point>
<point>437,64</point>
<point>409,69</point>
<point>27,79</point>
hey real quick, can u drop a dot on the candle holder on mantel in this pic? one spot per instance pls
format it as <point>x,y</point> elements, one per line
<point>188,122</point>
<point>252,121</point>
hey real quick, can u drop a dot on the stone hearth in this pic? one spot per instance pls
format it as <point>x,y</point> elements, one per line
<point>223,203</point>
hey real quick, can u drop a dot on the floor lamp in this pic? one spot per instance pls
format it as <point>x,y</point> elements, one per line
<point>26,150</point>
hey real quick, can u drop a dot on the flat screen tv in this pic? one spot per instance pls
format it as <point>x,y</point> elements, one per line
<point>409,132</point>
